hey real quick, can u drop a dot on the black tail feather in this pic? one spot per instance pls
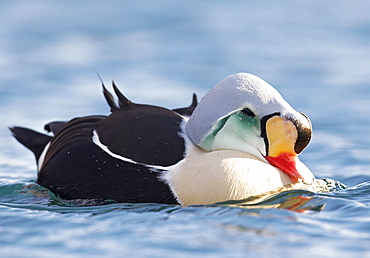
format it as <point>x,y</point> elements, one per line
<point>33,140</point>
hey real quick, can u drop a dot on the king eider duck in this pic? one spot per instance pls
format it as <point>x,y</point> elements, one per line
<point>242,139</point>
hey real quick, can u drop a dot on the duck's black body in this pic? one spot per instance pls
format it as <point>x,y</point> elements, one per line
<point>141,141</point>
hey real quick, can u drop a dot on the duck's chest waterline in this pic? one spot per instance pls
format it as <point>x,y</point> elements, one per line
<point>210,177</point>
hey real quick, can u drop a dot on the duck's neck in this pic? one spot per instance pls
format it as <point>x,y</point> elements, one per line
<point>216,176</point>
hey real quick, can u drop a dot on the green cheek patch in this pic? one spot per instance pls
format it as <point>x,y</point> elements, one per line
<point>237,123</point>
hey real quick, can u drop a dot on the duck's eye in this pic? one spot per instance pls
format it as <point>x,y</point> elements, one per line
<point>247,112</point>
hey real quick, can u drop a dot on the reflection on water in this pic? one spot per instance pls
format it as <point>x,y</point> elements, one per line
<point>297,197</point>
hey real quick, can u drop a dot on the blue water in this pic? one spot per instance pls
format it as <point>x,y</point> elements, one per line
<point>316,53</point>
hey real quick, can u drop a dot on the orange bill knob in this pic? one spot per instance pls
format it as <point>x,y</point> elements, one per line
<point>282,136</point>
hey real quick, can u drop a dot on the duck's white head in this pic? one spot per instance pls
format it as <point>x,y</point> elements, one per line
<point>245,113</point>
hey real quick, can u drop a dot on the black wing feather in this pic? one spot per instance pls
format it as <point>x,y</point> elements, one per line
<point>145,134</point>
<point>76,168</point>
<point>122,100</point>
<point>110,100</point>
<point>55,127</point>
<point>187,111</point>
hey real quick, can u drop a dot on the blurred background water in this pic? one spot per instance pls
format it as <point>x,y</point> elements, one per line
<point>316,53</point>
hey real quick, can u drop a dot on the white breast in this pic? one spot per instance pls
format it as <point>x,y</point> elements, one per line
<point>210,177</point>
